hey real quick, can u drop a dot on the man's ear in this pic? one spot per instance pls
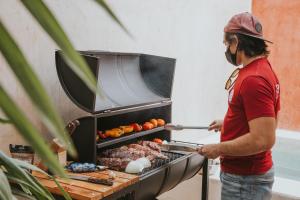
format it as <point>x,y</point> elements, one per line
<point>235,40</point>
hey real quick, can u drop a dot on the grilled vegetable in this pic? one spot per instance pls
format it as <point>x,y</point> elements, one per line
<point>116,132</point>
<point>113,133</point>
<point>127,129</point>
<point>157,140</point>
<point>154,122</point>
<point>101,135</point>
<point>136,127</point>
<point>161,122</point>
<point>148,126</point>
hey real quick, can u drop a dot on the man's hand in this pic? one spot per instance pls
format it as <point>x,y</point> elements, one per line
<point>211,151</point>
<point>216,125</point>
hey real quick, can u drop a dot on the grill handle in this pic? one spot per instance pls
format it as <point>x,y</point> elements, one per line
<point>70,128</point>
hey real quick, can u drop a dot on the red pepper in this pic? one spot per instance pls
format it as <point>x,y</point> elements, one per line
<point>158,141</point>
<point>101,135</point>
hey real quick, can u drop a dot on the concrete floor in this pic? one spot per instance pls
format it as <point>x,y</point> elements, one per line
<point>191,190</point>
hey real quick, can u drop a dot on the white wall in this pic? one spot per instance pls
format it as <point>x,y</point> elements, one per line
<point>189,30</point>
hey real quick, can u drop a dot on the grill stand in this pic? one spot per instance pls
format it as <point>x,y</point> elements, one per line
<point>205,180</point>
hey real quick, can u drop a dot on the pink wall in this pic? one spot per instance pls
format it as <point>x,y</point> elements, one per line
<point>281,24</point>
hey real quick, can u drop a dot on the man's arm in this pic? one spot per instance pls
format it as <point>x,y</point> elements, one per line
<point>260,138</point>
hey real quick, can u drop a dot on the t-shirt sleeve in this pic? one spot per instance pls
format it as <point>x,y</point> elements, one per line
<point>257,97</point>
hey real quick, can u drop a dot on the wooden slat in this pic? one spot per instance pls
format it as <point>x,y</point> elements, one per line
<point>118,182</point>
<point>121,181</point>
<point>124,182</point>
<point>74,191</point>
<point>105,190</point>
<point>132,178</point>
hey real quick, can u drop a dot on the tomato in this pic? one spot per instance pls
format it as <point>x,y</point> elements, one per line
<point>157,140</point>
<point>136,127</point>
<point>154,122</point>
<point>147,126</point>
<point>161,122</point>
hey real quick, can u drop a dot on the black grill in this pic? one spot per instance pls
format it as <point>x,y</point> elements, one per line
<point>137,88</point>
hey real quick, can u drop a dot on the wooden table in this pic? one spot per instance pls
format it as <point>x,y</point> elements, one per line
<point>88,191</point>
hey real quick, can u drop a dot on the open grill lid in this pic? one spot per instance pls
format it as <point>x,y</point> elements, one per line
<point>125,80</point>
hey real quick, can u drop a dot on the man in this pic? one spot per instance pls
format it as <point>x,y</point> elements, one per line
<point>248,129</point>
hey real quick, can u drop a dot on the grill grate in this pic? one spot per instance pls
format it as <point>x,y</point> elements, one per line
<point>160,162</point>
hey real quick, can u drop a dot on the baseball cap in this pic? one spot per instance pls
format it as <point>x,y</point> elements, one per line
<point>247,24</point>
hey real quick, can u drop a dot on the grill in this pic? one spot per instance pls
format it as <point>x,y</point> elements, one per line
<point>136,88</point>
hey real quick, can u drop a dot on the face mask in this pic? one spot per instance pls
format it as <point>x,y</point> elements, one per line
<point>231,58</point>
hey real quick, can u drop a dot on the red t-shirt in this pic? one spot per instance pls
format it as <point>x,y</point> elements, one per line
<point>255,94</point>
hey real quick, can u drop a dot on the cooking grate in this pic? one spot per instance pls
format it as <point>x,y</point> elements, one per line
<point>160,162</point>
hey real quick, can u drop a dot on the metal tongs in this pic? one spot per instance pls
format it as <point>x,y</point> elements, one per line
<point>172,127</point>
<point>181,146</point>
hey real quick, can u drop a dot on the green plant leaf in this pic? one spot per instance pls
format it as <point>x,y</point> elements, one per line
<point>28,183</point>
<point>64,193</point>
<point>49,23</point>
<point>40,185</point>
<point>22,194</point>
<point>29,189</point>
<point>27,166</point>
<point>109,11</point>
<point>5,191</point>
<point>29,132</point>
<point>4,121</point>
<point>33,87</point>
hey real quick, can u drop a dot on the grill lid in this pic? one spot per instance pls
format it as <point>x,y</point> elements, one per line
<point>125,79</point>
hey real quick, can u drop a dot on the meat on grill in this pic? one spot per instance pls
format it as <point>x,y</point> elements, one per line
<point>114,163</point>
<point>151,145</point>
<point>149,153</point>
<point>122,152</point>
<point>118,158</point>
<point>108,152</point>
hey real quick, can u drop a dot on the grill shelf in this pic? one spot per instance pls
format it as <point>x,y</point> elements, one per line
<point>111,141</point>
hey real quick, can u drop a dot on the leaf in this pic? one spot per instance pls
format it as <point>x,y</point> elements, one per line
<point>33,87</point>
<point>20,193</point>
<point>23,177</point>
<point>29,132</point>
<point>28,188</point>
<point>4,121</point>
<point>27,166</point>
<point>64,193</point>
<point>5,191</point>
<point>47,20</point>
<point>40,185</point>
<point>109,11</point>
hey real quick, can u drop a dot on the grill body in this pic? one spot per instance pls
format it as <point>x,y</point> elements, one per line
<point>144,86</point>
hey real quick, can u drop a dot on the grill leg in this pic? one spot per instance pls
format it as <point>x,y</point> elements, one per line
<point>205,180</point>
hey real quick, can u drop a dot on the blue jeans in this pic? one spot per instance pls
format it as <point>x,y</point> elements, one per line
<point>254,187</point>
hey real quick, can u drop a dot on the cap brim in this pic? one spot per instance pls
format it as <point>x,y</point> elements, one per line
<point>256,37</point>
